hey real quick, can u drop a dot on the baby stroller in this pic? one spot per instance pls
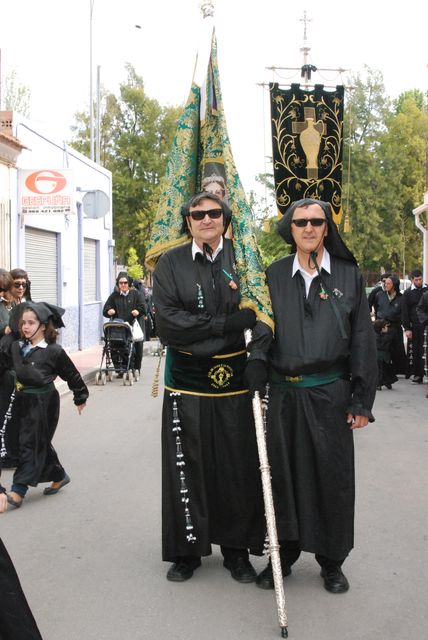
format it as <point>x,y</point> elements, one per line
<point>118,354</point>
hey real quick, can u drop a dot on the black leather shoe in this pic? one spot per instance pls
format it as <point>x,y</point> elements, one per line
<point>183,569</point>
<point>265,578</point>
<point>240,569</point>
<point>334,579</point>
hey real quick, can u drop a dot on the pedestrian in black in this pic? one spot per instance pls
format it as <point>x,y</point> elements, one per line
<point>386,376</point>
<point>127,303</point>
<point>413,328</point>
<point>388,307</point>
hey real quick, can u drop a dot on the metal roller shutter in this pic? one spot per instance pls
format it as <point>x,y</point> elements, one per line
<point>41,264</point>
<point>90,270</point>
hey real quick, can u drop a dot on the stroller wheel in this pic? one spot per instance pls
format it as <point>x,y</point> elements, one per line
<point>136,373</point>
<point>130,378</point>
<point>97,377</point>
<point>103,378</point>
<point>124,379</point>
<point>110,376</point>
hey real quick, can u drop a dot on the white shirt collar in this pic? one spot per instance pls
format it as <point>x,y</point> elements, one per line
<point>325,264</point>
<point>42,344</point>
<point>196,250</point>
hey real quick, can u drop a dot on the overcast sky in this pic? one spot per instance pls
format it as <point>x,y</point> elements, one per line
<point>47,44</point>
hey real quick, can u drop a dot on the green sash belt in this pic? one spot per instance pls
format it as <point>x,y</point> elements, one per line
<point>220,375</point>
<point>307,380</point>
<point>36,390</point>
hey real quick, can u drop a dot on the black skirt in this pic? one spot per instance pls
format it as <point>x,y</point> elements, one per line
<point>311,452</point>
<point>37,415</point>
<point>221,482</point>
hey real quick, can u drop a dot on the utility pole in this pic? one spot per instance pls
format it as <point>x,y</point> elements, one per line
<point>91,92</point>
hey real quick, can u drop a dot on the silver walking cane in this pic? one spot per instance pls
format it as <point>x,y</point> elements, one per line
<point>269,509</point>
<point>270,515</point>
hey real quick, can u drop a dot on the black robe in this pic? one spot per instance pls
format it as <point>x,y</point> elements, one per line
<point>410,322</point>
<point>192,299</point>
<point>37,413</point>
<point>310,444</point>
<point>391,310</point>
<point>123,305</point>
<point>16,620</point>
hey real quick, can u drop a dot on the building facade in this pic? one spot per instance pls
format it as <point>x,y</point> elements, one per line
<point>57,223</point>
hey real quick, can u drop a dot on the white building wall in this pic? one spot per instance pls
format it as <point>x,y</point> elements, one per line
<point>83,320</point>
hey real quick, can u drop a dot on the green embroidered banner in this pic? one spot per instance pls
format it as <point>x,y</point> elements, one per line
<point>307,145</point>
<point>179,183</point>
<point>203,128</point>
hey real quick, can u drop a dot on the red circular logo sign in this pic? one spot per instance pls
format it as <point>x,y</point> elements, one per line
<point>46,182</point>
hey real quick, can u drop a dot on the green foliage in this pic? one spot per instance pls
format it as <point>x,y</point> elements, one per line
<point>16,95</point>
<point>416,95</point>
<point>136,134</point>
<point>272,246</point>
<point>135,269</point>
<point>387,144</point>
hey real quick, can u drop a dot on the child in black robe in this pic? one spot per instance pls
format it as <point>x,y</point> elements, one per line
<point>37,360</point>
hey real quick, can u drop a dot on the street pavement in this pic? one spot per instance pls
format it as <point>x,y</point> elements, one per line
<point>89,558</point>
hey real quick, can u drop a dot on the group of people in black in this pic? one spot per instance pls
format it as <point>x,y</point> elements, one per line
<point>400,323</point>
<point>319,365</point>
<point>30,361</point>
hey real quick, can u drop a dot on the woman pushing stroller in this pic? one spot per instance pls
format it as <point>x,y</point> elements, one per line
<point>127,304</point>
<point>37,360</point>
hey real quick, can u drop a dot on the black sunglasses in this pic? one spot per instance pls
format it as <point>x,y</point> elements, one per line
<point>303,222</point>
<point>211,213</point>
<point>19,285</point>
<point>123,282</point>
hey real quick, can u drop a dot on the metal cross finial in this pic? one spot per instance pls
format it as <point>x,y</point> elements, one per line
<point>305,21</point>
<point>207,8</point>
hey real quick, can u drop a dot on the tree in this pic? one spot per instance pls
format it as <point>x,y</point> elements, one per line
<point>365,118</point>
<point>135,269</point>
<point>136,136</point>
<point>403,153</point>
<point>17,96</point>
<point>271,245</point>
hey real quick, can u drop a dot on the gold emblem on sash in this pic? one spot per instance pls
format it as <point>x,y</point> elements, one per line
<point>220,376</point>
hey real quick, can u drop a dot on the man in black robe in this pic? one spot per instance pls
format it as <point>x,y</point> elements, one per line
<point>211,486</point>
<point>413,328</point>
<point>322,377</point>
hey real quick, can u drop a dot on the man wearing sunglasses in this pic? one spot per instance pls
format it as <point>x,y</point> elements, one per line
<point>322,372</point>
<point>211,487</point>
